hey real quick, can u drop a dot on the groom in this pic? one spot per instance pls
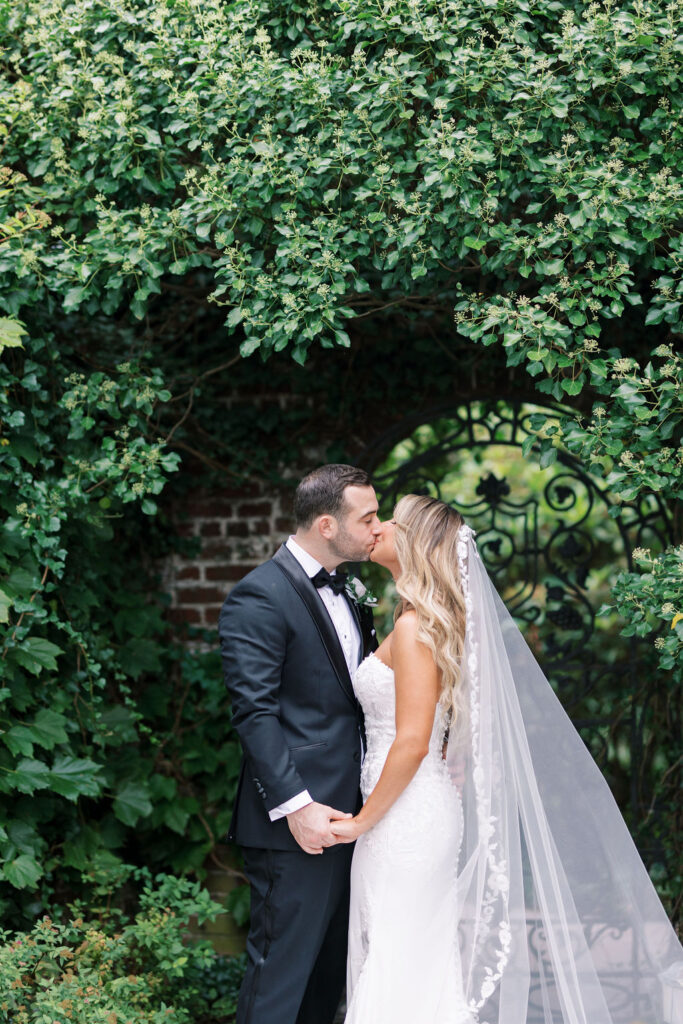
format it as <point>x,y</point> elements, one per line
<point>292,636</point>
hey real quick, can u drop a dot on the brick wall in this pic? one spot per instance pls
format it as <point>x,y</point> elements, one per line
<point>237,529</point>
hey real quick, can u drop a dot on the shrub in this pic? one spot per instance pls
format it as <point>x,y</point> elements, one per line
<point>120,970</point>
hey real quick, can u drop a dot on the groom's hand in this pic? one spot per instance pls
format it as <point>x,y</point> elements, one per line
<point>310,826</point>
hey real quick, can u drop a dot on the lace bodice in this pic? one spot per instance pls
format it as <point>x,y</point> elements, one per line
<point>403,946</point>
<point>374,687</point>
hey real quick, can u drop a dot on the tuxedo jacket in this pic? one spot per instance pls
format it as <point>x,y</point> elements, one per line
<point>293,705</point>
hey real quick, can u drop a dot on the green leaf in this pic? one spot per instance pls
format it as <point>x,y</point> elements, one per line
<point>75,854</point>
<point>48,727</point>
<point>5,605</point>
<point>132,802</point>
<point>30,775</point>
<point>176,818</point>
<point>20,739</point>
<point>36,654</point>
<point>238,904</point>
<point>577,219</point>
<point>11,333</point>
<point>74,776</point>
<point>577,318</point>
<point>474,243</point>
<point>553,267</point>
<point>74,297</point>
<point>572,387</point>
<point>548,457</point>
<point>23,872</point>
<point>140,655</point>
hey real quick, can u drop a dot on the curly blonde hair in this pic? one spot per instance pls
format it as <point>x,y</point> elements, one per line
<point>425,539</point>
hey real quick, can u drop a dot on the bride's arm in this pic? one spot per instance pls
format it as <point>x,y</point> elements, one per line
<point>417,692</point>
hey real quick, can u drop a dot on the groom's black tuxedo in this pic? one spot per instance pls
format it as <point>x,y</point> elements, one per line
<point>300,727</point>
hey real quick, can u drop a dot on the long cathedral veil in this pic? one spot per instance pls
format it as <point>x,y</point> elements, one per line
<point>559,921</point>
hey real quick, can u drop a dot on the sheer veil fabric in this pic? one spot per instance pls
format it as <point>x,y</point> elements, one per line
<point>559,921</point>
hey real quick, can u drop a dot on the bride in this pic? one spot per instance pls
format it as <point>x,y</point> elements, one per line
<point>493,879</point>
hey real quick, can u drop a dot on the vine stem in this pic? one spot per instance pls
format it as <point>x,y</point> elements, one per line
<point>21,617</point>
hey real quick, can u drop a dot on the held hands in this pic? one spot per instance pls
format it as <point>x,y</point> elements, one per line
<point>311,826</point>
<point>347,831</point>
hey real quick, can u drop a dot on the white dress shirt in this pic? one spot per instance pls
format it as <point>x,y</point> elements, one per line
<point>349,637</point>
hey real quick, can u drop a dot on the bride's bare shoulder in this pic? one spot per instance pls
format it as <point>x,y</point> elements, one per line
<point>406,635</point>
<point>406,625</point>
<point>411,656</point>
<point>402,637</point>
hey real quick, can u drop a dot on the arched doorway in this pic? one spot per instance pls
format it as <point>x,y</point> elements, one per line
<point>553,547</point>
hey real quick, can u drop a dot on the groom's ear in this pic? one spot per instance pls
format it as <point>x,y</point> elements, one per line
<point>327,525</point>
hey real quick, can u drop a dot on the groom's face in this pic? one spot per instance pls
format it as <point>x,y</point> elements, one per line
<point>357,527</point>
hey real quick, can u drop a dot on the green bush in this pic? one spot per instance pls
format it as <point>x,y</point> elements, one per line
<point>120,970</point>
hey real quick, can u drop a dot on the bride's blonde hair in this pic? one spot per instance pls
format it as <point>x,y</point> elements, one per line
<point>425,538</point>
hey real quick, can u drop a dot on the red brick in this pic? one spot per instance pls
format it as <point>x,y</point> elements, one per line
<point>259,526</point>
<point>224,572</point>
<point>210,615</point>
<point>216,550</point>
<point>199,595</point>
<point>227,572</point>
<point>184,616</point>
<point>237,529</point>
<point>190,572</point>
<point>198,509</point>
<point>210,529</point>
<point>256,508</point>
<point>284,524</point>
<point>243,491</point>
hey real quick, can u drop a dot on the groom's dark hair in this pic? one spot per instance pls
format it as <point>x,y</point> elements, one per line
<point>321,492</point>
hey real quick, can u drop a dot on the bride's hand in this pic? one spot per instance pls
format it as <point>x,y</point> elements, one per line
<point>346,831</point>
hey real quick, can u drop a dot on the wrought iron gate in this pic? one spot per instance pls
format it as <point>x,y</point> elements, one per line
<point>551,548</point>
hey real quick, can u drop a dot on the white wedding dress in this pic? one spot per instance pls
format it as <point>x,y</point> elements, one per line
<point>404,963</point>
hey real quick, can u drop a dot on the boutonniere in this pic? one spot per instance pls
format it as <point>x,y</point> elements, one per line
<point>359,593</point>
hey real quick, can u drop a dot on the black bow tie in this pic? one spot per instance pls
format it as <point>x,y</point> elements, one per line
<point>323,579</point>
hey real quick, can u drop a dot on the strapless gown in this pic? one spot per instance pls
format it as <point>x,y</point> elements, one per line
<point>404,962</point>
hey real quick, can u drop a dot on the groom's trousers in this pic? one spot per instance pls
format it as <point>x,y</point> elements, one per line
<point>298,936</point>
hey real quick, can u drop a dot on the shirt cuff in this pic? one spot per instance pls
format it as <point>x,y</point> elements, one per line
<point>295,804</point>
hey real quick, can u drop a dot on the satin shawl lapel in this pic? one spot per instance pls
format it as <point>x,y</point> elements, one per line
<point>287,564</point>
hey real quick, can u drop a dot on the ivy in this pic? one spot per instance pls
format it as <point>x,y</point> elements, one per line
<point>316,164</point>
<point>100,708</point>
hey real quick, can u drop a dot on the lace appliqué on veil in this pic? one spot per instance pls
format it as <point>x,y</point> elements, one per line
<point>492,926</point>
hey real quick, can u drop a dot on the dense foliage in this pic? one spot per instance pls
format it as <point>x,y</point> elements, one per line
<point>98,737</point>
<point>507,172</point>
<point>117,967</point>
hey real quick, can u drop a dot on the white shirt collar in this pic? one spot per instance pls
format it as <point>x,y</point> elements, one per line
<point>307,562</point>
